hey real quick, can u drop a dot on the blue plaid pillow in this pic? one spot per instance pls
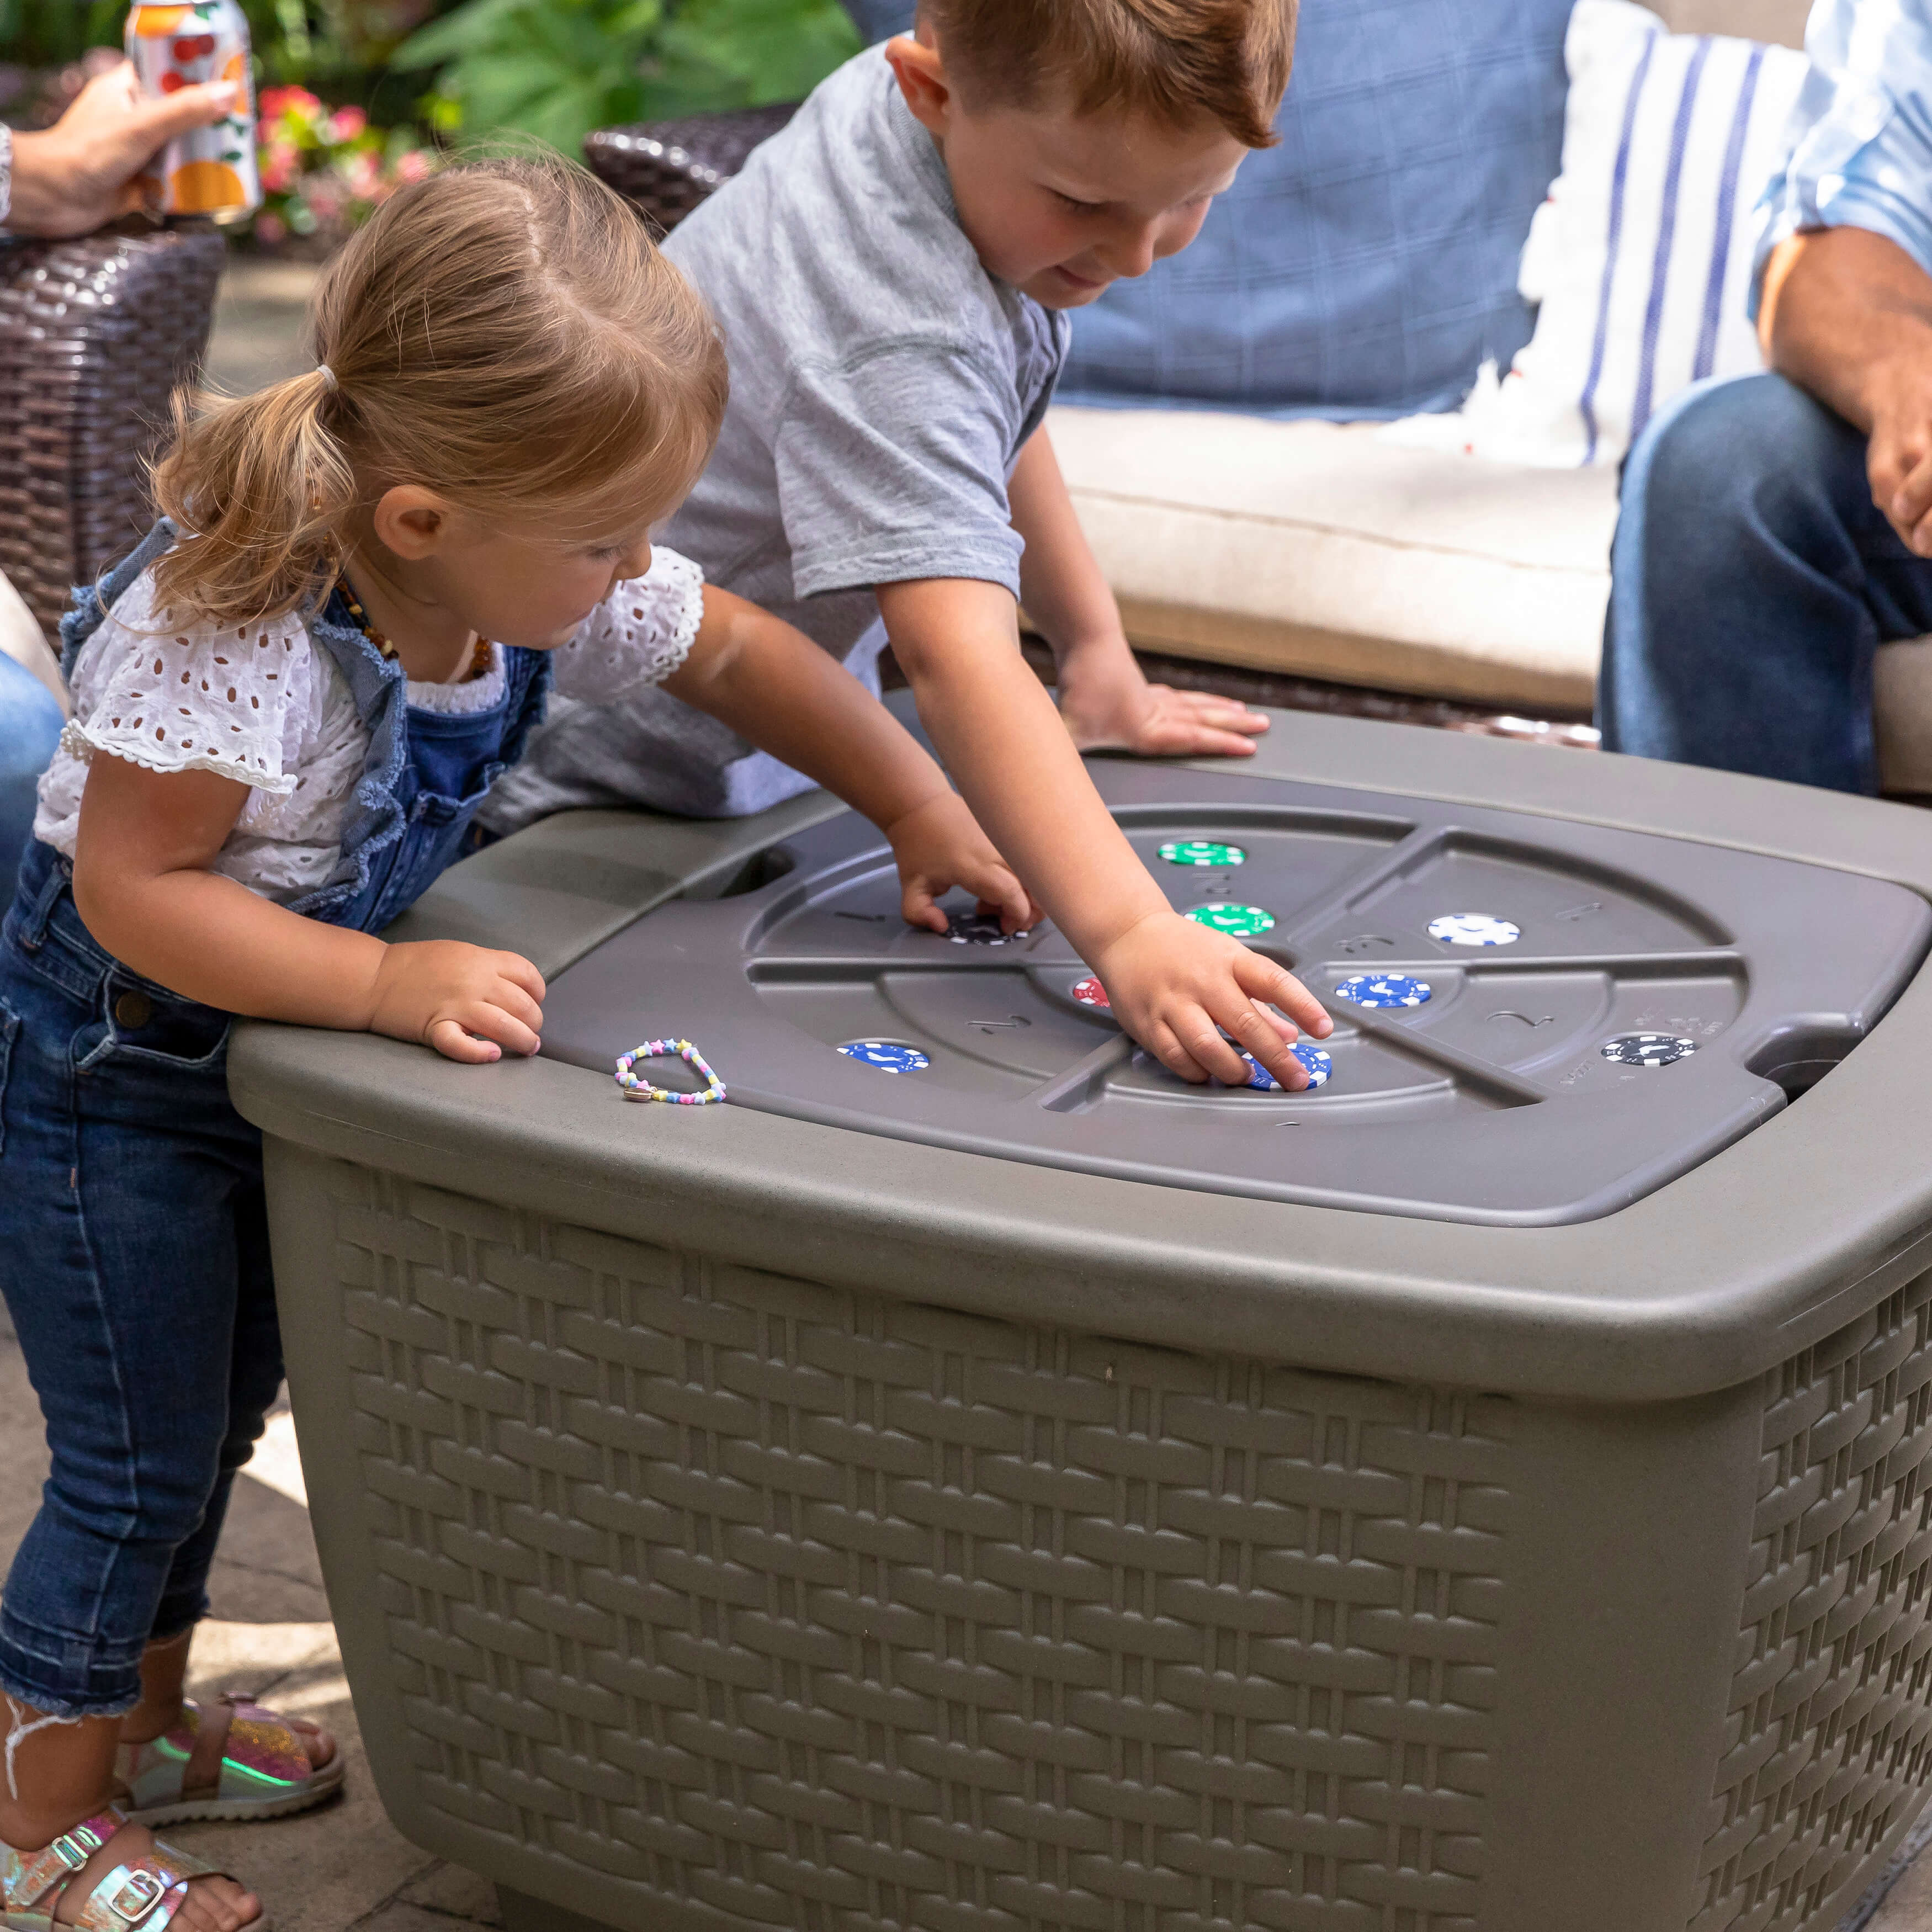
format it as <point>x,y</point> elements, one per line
<point>879,20</point>
<point>1367,265</point>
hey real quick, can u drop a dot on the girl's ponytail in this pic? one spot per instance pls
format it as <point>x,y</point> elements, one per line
<point>505,333</point>
<point>258,486</point>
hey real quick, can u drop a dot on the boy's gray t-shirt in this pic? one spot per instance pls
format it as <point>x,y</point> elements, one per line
<point>882,385</point>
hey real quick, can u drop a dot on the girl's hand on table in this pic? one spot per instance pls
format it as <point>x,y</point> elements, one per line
<point>939,845</point>
<point>1176,986</point>
<point>469,1003</point>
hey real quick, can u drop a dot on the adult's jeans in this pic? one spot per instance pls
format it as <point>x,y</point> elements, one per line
<point>30,726</point>
<point>1752,579</point>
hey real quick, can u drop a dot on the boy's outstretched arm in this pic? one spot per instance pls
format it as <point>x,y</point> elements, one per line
<point>1173,985</point>
<point>1105,698</point>
<point>771,682</point>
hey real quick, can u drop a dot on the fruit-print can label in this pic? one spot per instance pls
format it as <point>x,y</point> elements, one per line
<point>208,171</point>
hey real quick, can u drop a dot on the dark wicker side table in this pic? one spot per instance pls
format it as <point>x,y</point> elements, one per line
<point>667,167</point>
<point>95,334</point>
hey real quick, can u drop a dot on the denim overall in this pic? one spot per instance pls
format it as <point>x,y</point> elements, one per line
<point>133,1237</point>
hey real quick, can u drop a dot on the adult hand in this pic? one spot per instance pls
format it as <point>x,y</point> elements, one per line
<point>1846,314</point>
<point>1898,459</point>
<point>85,170</point>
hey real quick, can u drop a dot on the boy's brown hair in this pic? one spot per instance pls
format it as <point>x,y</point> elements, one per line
<point>1181,61</point>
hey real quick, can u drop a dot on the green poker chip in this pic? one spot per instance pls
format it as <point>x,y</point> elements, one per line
<point>1242,921</point>
<point>1202,852</point>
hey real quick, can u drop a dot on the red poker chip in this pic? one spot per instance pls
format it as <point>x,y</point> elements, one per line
<point>1089,992</point>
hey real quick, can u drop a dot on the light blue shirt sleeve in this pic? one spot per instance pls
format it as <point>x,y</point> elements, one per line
<point>1860,138</point>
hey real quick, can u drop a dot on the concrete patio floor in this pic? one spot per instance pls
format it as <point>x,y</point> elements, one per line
<point>344,1868</point>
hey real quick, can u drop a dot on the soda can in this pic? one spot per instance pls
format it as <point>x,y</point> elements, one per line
<point>208,171</point>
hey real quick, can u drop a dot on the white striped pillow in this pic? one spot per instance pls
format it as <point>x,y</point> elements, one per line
<point>1640,261</point>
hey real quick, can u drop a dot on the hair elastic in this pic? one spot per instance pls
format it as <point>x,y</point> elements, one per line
<point>328,375</point>
<point>636,1088</point>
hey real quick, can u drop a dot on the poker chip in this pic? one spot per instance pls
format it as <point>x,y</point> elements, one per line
<point>1242,921</point>
<point>1474,928</point>
<point>1382,989</point>
<point>979,928</point>
<point>1318,1064</point>
<point>1648,1049</point>
<point>1089,992</point>
<point>886,1055</point>
<point>1202,852</point>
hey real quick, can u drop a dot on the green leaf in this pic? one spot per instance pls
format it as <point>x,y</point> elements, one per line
<point>558,68</point>
<point>471,28</point>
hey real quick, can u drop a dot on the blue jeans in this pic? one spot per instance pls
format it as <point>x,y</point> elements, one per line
<point>1752,578</point>
<point>30,725</point>
<point>134,1262</point>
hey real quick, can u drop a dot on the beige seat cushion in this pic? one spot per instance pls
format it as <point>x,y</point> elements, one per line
<point>1318,548</point>
<point>1902,708</point>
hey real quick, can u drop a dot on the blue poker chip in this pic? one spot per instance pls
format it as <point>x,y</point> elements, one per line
<point>886,1055</point>
<point>1318,1064</point>
<point>1382,989</point>
<point>1474,928</point>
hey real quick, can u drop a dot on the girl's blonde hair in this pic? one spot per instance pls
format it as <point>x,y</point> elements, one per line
<point>505,333</point>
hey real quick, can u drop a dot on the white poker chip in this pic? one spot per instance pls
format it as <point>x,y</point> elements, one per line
<point>1383,989</point>
<point>1648,1049</point>
<point>1474,928</point>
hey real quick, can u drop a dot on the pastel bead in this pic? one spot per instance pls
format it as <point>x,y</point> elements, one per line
<point>637,1088</point>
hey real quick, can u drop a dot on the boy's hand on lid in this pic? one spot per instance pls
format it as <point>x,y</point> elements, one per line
<point>1108,705</point>
<point>1177,987</point>
<point>469,1003</point>
<point>938,845</point>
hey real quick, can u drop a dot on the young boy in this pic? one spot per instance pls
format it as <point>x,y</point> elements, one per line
<point>892,273</point>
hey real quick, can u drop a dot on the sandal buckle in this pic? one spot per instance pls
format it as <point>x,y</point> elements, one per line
<point>140,1892</point>
<point>74,1848</point>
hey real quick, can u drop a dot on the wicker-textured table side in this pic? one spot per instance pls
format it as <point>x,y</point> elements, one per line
<point>95,334</point>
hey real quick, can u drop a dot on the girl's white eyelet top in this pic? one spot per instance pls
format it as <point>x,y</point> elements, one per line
<point>264,705</point>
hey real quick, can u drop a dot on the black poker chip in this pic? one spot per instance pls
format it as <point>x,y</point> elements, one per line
<point>980,929</point>
<point>1648,1049</point>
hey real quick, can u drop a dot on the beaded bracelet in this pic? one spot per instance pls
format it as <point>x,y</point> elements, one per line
<point>636,1088</point>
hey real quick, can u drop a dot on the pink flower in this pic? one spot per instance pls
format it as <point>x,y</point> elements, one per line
<point>280,162</point>
<point>365,176</point>
<point>271,229</point>
<point>298,101</point>
<point>415,166</point>
<point>346,123</point>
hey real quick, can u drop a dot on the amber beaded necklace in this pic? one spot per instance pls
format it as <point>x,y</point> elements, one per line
<point>479,659</point>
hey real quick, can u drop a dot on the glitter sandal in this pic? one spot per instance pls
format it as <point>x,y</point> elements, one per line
<point>141,1895</point>
<point>228,1760</point>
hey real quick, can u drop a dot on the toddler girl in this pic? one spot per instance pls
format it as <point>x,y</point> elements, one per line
<point>289,702</point>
